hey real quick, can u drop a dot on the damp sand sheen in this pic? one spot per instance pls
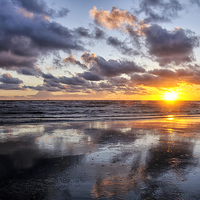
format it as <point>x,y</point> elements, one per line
<point>99,150</point>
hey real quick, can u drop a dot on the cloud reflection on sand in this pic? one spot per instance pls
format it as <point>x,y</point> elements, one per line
<point>156,159</point>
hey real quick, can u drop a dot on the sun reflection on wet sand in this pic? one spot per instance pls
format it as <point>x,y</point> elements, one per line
<point>144,159</point>
<point>170,117</point>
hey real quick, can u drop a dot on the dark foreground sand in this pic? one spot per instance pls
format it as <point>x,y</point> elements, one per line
<point>154,159</point>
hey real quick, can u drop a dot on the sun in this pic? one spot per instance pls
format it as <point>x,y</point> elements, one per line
<point>170,96</point>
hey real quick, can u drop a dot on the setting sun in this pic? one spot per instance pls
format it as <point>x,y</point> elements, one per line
<point>170,96</point>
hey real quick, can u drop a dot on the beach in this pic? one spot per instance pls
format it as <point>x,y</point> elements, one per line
<point>154,158</point>
<point>99,100</point>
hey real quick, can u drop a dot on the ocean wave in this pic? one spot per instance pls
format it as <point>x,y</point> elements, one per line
<point>50,111</point>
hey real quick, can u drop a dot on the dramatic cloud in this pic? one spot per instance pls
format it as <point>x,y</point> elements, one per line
<point>91,76</point>
<point>88,58</point>
<point>72,80</point>
<point>83,32</point>
<point>119,19</point>
<point>172,74</point>
<point>35,71</point>
<point>9,83</point>
<point>114,19</point>
<point>75,80</point>
<point>51,83</point>
<point>115,68</point>
<point>95,34</point>
<point>167,46</point>
<point>84,83</point>
<point>29,38</point>
<point>10,87</point>
<point>72,60</point>
<point>111,67</point>
<point>170,46</point>
<point>9,60</point>
<point>98,33</point>
<point>7,78</point>
<point>153,81</point>
<point>121,46</point>
<point>167,78</point>
<point>40,7</point>
<point>23,39</point>
<point>47,87</point>
<point>159,10</point>
<point>66,84</point>
<point>119,81</point>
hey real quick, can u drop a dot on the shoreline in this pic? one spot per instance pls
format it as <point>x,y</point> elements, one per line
<point>136,118</point>
<point>128,159</point>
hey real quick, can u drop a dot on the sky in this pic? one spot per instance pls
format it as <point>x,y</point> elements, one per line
<point>99,50</point>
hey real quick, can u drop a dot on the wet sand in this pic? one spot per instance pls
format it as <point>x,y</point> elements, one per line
<point>144,159</point>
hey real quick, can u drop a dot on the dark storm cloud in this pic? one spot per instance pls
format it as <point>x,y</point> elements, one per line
<point>67,84</point>
<point>86,83</point>
<point>75,80</point>
<point>153,81</point>
<point>119,81</point>
<point>95,34</point>
<point>24,37</point>
<point>7,82</point>
<point>167,78</point>
<point>179,73</point>
<point>49,76</point>
<point>121,85</point>
<point>35,71</point>
<point>72,80</point>
<point>36,6</point>
<point>5,86</point>
<point>98,33</point>
<point>190,75</point>
<point>121,46</point>
<point>50,83</point>
<point>8,79</point>
<point>159,10</point>
<point>40,7</point>
<point>104,85</point>
<point>9,60</point>
<point>91,76</point>
<point>44,87</point>
<point>53,84</point>
<point>83,32</point>
<point>170,46</point>
<point>110,67</point>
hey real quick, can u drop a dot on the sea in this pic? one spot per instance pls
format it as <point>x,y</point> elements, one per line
<point>13,112</point>
<point>97,150</point>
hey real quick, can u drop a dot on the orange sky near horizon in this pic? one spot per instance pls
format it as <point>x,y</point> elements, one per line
<point>99,50</point>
